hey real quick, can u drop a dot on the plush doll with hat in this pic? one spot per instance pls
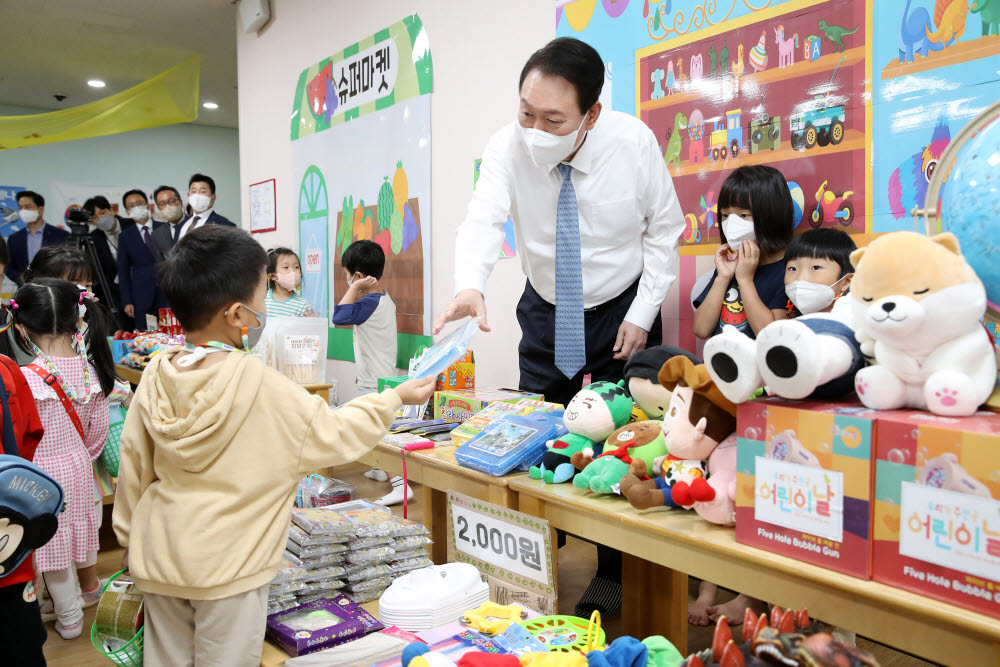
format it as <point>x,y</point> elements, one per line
<point>918,311</point>
<point>591,416</point>
<point>642,441</point>
<point>642,372</point>
<point>698,421</point>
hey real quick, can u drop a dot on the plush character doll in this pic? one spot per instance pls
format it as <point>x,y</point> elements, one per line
<point>698,419</point>
<point>634,442</point>
<point>642,372</point>
<point>918,312</point>
<point>591,416</point>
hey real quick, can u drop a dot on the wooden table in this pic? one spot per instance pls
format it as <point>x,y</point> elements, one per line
<point>437,472</point>
<point>664,547</point>
<point>273,656</point>
<point>134,375</point>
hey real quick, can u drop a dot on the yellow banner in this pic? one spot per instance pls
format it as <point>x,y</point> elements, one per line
<point>171,97</point>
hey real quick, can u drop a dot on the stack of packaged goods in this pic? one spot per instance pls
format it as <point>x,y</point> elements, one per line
<point>143,347</point>
<point>356,548</point>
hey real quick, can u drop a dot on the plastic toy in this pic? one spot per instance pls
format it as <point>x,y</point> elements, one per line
<point>491,618</point>
<point>821,124</point>
<point>918,311</point>
<point>564,634</point>
<point>831,206</point>
<point>786,47</point>
<point>591,416</point>
<point>513,441</point>
<point>836,34</point>
<point>640,441</point>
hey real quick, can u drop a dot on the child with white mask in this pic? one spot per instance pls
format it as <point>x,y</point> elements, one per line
<point>747,290</point>
<point>812,352</point>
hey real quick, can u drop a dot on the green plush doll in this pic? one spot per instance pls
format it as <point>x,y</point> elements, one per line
<point>593,414</point>
<point>642,440</point>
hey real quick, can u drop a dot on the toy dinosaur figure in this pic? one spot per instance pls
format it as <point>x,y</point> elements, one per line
<point>989,12</point>
<point>724,58</point>
<point>950,18</point>
<point>713,60</point>
<point>836,34</point>
<point>673,152</point>
<point>913,33</point>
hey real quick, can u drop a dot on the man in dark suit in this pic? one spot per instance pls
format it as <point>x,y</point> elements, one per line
<point>137,277</point>
<point>25,244</point>
<point>201,197</point>
<point>106,232</point>
<point>168,203</point>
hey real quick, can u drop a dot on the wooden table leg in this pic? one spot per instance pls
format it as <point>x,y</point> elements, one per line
<point>654,601</point>
<point>436,520</point>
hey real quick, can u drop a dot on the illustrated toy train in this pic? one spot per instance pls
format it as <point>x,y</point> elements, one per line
<point>726,139</point>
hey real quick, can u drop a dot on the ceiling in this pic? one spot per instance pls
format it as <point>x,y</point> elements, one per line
<point>53,47</point>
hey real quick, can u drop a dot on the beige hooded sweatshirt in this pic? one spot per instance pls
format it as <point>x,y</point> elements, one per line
<point>210,462</point>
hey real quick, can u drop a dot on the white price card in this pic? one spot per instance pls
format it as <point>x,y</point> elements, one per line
<point>513,546</point>
<point>799,497</point>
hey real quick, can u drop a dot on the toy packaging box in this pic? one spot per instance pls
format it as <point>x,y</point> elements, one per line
<point>320,624</point>
<point>936,518</point>
<point>513,441</point>
<point>479,421</point>
<point>804,481</point>
<point>460,375</point>
<point>460,405</point>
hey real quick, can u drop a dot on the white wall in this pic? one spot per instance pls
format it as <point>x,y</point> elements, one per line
<point>477,50</point>
<point>166,155</point>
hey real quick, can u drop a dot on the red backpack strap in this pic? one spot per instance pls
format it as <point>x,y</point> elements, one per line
<point>53,382</point>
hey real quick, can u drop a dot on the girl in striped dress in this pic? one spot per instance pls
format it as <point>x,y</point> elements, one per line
<point>70,379</point>
<point>284,277</point>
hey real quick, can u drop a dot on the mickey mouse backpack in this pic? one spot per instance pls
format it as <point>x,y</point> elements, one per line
<point>30,500</point>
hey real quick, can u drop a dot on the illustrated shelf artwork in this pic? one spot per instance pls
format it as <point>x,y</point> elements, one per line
<point>784,86</point>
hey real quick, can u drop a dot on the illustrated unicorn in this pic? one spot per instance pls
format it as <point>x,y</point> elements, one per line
<point>786,47</point>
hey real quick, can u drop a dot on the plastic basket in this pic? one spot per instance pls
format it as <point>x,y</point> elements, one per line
<point>129,655</point>
<point>111,455</point>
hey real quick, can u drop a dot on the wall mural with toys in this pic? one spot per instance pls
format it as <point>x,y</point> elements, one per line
<point>360,133</point>
<point>854,101</point>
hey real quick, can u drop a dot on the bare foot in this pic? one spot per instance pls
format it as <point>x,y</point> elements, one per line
<point>735,609</point>
<point>698,610</point>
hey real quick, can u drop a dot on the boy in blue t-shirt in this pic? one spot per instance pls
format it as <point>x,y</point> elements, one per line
<point>372,312</point>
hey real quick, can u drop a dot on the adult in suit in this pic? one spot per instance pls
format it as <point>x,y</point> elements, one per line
<point>137,277</point>
<point>106,233</point>
<point>201,197</point>
<point>25,244</point>
<point>168,203</point>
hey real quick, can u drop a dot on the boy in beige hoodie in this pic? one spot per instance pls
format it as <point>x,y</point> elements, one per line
<point>212,452</point>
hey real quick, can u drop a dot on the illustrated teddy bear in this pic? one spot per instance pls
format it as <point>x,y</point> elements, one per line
<point>591,416</point>
<point>699,469</point>
<point>918,311</point>
<point>642,441</point>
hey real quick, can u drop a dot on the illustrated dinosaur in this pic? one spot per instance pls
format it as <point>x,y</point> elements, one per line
<point>724,58</point>
<point>673,152</point>
<point>713,60</point>
<point>836,34</point>
<point>949,15</point>
<point>989,12</point>
<point>913,33</point>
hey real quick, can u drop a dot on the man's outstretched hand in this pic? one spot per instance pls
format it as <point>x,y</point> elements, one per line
<point>467,303</point>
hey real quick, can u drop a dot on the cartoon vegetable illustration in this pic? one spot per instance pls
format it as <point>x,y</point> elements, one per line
<point>410,228</point>
<point>400,186</point>
<point>345,229</point>
<point>396,228</point>
<point>386,206</point>
<point>363,223</point>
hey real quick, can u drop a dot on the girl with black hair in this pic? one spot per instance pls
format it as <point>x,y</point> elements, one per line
<point>71,377</point>
<point>284,278</point>
<point>747,290</point>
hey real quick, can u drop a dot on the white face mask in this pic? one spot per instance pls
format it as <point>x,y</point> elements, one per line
<point>106,224</point>
<point>199,203</point>
<point>810,297</point>
<point>546,148</point>
<point>139,213</point>
<point>737,230</point>
<point>28,216</point>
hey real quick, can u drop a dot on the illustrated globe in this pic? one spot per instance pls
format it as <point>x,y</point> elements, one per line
<point>968,201</point>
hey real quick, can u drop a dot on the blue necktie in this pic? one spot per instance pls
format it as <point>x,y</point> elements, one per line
<point>571,346</point>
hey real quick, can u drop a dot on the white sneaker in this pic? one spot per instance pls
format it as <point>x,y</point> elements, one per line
<point>377,475</point>
<point>69,631</point>
<point>395,497</point>
<point>48,610</point>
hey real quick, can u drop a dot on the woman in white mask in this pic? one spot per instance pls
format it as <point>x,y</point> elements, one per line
<point>747,290</point>
<point>812,352</point>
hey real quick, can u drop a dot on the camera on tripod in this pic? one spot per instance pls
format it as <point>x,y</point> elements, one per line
<point>79,222</point>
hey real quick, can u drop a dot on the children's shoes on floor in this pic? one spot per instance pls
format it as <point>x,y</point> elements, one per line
<point>395,497</point>
<point>69,631</point>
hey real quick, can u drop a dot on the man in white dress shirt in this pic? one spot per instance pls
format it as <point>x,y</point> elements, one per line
<point>596,221</point>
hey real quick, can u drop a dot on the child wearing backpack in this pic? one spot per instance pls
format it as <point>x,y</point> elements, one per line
<point>70,379</point>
